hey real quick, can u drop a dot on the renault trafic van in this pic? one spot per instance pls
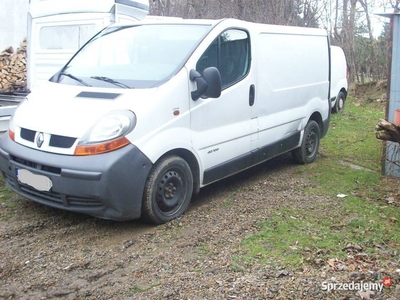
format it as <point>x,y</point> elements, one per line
<point>146,114</point>
<point>339,83</point>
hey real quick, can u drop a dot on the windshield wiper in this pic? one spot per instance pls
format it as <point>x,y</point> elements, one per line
<point>112,81</point>
<point>75,78</point>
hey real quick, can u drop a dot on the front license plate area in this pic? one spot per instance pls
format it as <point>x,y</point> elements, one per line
<point>38,182</point>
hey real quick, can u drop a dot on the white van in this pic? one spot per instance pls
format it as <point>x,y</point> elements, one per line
<point>339,85</point>
<point>146,114</point>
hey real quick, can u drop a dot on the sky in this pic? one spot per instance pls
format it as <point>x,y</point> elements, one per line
<point>378,21</point>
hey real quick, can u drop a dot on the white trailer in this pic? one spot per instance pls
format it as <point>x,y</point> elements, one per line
<point>57,29</point>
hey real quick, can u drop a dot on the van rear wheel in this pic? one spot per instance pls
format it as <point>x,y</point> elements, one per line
<point>168,190</point>
<point>308,150</point>
<point>339,105</point>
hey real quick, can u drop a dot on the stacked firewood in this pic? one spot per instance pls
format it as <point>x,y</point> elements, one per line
<point>387,131</point>
<point>13,69</point>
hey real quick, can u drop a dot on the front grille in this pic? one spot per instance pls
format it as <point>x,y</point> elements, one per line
<point>58,141</point>
<point>61,141</point>
<point>28,135</point>
<point>53,199</point>
<point>37,166</point>
<point>64,200</point>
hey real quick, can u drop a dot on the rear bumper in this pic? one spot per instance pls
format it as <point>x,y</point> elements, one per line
<point>108,186</point>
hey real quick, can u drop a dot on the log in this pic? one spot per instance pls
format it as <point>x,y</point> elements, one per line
<point>387,131</point>
<point>383,135</point>
<point>9,50</point>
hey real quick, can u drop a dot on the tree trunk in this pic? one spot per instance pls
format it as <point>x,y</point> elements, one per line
<point>372,59</point>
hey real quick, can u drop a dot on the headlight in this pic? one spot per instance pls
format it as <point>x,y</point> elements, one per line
<point>11,122</point>
<point>11,128</point>
<point>108,134</point>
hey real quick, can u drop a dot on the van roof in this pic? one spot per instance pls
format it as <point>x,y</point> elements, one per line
<point>152,20</point>
<point>232,23</point>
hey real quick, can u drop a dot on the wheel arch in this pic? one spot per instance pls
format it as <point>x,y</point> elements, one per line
<point>344,91</point>
<point>308,149</point>
<point>193,164</point>
<point>316,116</point>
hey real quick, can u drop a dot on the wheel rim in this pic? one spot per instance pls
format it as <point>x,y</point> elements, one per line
<point>311,143</point>
<point>170,192</point>
<point>340,104</point>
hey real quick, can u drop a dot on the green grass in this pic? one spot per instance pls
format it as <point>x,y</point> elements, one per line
<point>351,135</point>
<point>8,203</point>
<point>350,164</point>
<point>141,289</point>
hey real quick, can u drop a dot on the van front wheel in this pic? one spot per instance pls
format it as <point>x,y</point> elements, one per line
<point>308,150</point>
<point>168,190</point>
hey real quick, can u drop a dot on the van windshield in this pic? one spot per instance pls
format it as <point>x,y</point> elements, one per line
<point>140,56</point>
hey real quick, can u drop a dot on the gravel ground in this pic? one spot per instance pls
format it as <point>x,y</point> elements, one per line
<point>47,253</point>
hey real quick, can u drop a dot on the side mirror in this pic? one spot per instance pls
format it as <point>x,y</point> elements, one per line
<point>208,85</point>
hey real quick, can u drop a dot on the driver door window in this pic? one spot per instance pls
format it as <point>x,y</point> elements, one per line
<point>230,54</point>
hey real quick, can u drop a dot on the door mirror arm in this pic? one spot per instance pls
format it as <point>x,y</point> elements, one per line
<point>208,85</point>
<point>202,84</point>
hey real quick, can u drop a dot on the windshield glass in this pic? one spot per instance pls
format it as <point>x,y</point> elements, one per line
<point>141,56</point>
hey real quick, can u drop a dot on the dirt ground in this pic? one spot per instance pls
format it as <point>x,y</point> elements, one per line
<point>47,253</point>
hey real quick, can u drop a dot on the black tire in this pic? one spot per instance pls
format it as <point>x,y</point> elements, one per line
<point>339,105</point>
<point>308,150</point>
<point>168,190</point>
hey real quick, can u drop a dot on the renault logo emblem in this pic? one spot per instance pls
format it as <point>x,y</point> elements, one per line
<point>40,139</point>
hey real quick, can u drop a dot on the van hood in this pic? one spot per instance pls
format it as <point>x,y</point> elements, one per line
<point>71,110</point>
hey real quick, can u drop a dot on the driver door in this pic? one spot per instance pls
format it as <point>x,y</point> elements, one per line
<point>222,127</point>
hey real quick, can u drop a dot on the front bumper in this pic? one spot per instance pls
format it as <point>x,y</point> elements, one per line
<point>108,186</point>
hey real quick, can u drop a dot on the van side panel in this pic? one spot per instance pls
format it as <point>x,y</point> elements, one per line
<point>338,72</point>
<point>290,75</point>
<point>251,158</point>
<point>290,87</point>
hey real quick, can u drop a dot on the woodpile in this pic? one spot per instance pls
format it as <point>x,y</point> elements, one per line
<point>13,69</point>
<point>387,131</point>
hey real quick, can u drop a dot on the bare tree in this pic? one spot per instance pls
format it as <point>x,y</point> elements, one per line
<point>348,21</point>
<point>284,12</point>
<point>347,34</point>
<point>371,58</point>
<point>396,5</point>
